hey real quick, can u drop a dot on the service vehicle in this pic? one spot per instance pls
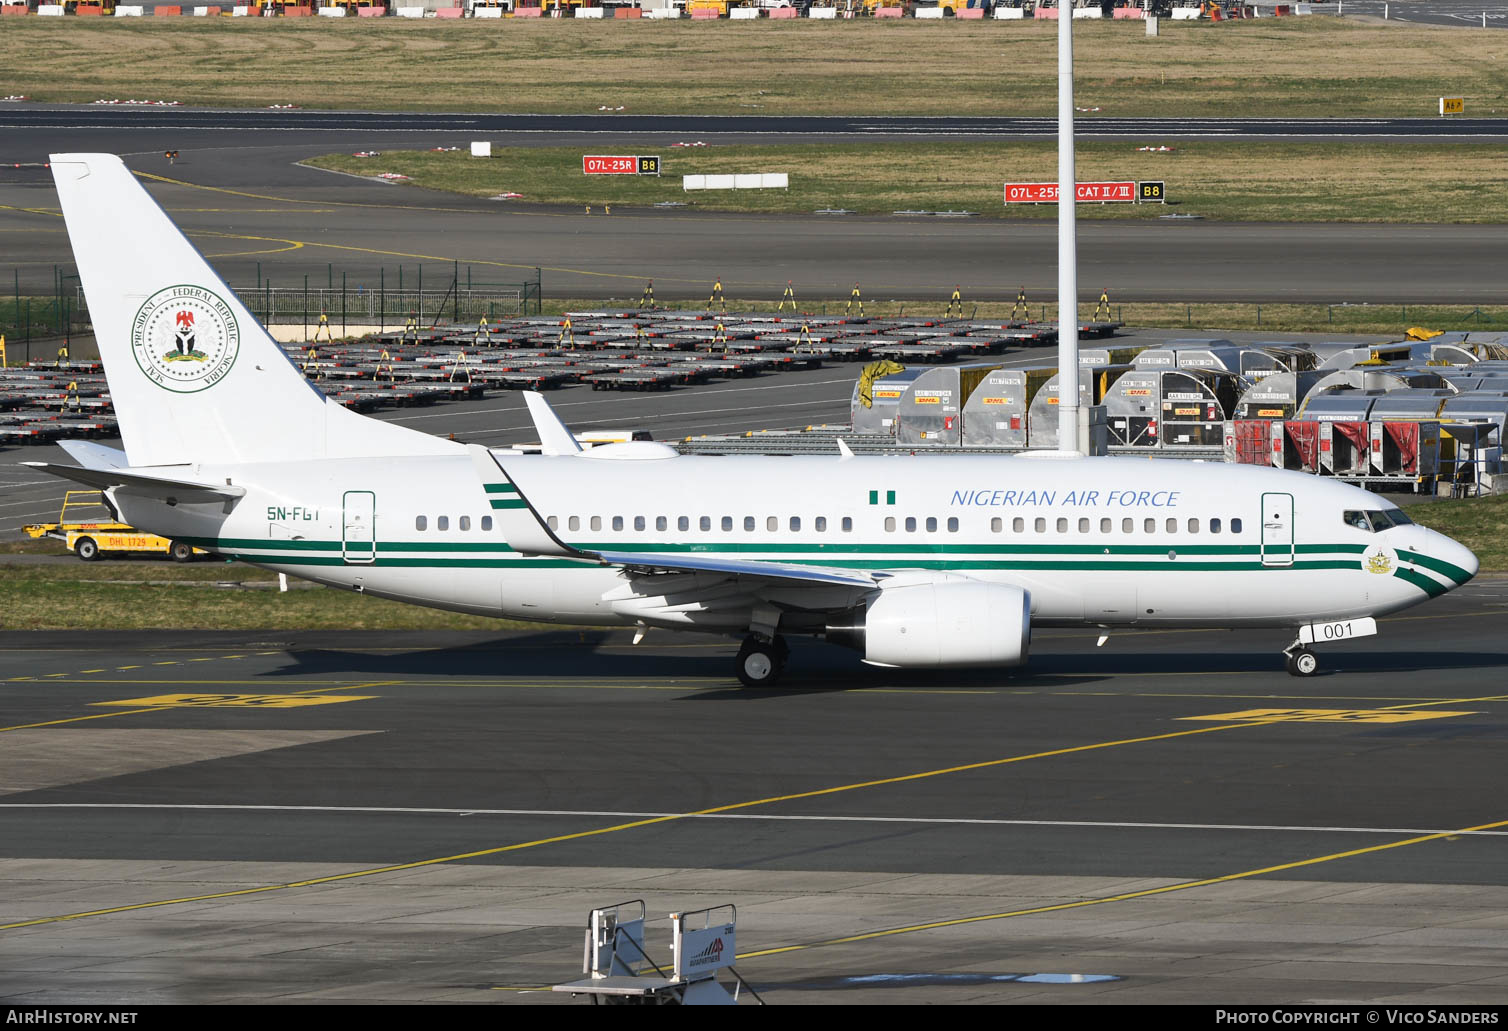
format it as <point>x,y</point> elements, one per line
<point>90,539</point>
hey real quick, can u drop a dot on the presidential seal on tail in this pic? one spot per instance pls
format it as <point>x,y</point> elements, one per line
<point>185,338</point>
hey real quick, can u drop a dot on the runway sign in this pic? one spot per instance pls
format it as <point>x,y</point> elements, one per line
<point>620,164</point>
<point>1047,193</point>
<point>1151,192</point>
<point>1452,105</point>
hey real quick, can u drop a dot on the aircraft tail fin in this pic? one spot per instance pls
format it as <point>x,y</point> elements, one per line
<point>193,375</point>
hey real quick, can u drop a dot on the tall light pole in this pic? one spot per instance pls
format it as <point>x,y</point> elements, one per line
<point>1068,258</point>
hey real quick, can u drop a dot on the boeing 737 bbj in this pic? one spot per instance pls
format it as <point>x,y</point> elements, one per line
<point>931,561</point>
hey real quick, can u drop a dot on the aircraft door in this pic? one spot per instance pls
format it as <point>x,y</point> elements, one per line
<point>1277,529</point>
<point>358,539</point>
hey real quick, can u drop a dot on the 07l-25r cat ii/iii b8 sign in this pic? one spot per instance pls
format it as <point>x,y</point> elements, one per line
<point>914,561</point>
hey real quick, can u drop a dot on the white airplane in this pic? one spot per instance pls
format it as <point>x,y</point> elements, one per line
<point>934,561</point>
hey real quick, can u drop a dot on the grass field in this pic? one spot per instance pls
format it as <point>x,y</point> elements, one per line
<point>1322,321</point>
<point>145,594</point>
<point>1294,66</point>
<point>1228,181</point>
<point>1479,523</point>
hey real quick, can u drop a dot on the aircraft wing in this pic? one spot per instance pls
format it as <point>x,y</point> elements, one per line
<point>157,486</point>
<point>650,562</point>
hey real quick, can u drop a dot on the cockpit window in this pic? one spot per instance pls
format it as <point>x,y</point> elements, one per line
<point>1376,521</point>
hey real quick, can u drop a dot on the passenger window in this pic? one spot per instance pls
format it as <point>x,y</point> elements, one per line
<point>1193,526</point>
<point>1105,525</point>
<point>1062,525</point>
<point>704,523</point>
<point>617,522</point>
<point>1214,526</point>
<point>997,524</point>
<point>683,523</point>
<point>1040,525</point>
<point>1172,525</point>
<point>795,524</point>
<point>1235,526</point>
<point>1018,525</point>
<point>638,522</point>
<point>952,524</point>
<point>596,522</point>
<point>573,523</point>
<point>911,524</point>
<point>821,524</point>
<point>931,524</point>
<point>847,525</point>
<point>466,522</point>
<point>1149,525</point>
<point>1083,526</point>
<point>487,522</point>
<point>661,523</point>
<point>748,524</point>
<point>421,523</point>
<point>772,523</point>
<point>442,522</point>
<point>1127,524</point>
<point>890,524</point>
<point>727,524</point>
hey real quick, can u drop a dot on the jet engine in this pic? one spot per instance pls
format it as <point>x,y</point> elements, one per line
<point>949,622</point>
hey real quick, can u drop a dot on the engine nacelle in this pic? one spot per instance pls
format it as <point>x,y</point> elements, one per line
<point>954,622</point>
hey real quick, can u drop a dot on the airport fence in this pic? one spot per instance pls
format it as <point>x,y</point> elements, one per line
<point>37,317</point>
<point>390,298</point>
<point>42,317</point>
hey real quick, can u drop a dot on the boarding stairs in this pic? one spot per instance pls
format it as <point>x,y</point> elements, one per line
<point>620,972</point>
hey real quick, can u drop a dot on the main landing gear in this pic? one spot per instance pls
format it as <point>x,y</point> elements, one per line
<point>761,660</point>
<point>1300,660</point>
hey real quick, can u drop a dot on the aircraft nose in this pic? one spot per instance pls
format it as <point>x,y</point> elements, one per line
<point>1458,555</point>
<point>1448,558</point>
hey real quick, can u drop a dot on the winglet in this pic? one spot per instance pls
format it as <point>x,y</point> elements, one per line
<point>844,450</point>
<point>554,438</point>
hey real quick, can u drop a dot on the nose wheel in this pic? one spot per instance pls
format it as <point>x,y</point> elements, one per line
<point>761,661</point>
<point>1301,661</point>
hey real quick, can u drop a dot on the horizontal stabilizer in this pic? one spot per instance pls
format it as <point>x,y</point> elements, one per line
<point>157,486</point>
<point>94,456</point>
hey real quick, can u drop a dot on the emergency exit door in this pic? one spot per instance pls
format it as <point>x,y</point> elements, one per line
<point>358,540</point>
<point>1277,529</point>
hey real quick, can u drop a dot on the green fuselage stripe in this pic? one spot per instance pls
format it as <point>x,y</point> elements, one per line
<point>262,558</point>
<point>440,553</point>
<point>1446,569</point>
<point>836,550</point>
<point>1429,585</point>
